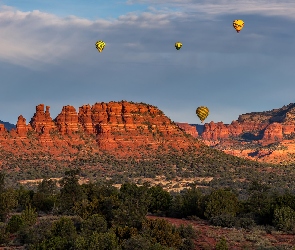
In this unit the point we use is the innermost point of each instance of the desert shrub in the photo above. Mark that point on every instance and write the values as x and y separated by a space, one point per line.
36 234
56 242
176 209
102 241
187 244
70 193
221 244
158 246
245 222
8 201
64 228
29 216
223 220
95 223
161 231
136 242
186 231
4 235
124 233
219 202
15 223
192 202
160 199
80 243
43 202
284 219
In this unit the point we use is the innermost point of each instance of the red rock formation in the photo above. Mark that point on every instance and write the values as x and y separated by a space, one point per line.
21 127
120 127
2 129
265 136
288 128
42 119
215 131
273 132
67 120
191 130
84 118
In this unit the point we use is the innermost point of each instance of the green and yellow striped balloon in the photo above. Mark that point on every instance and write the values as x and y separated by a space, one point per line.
100 45
202 112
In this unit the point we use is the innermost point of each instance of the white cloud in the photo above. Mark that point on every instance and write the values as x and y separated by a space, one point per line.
215 66
31 38
284 8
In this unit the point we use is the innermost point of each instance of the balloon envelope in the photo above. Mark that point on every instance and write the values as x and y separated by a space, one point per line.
100 45
178 45
202 112
238 25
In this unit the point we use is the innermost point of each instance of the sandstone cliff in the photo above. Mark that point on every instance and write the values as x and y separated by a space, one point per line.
120 128
264 136
191 130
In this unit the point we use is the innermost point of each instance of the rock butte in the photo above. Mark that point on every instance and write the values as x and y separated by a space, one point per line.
265 136
121 128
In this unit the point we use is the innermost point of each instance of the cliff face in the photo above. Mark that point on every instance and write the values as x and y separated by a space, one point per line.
191 130
120 128
268 126
264 136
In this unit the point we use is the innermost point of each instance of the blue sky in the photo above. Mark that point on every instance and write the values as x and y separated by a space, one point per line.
47 55
90 9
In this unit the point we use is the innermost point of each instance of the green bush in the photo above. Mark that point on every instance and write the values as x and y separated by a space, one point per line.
160 199
136 242
245 222
95 223
161 231
64 228
36 234
186 231
284 219
14 224
221 244
219 202
80 243
223 220
29 216
4 235
102 241
187 244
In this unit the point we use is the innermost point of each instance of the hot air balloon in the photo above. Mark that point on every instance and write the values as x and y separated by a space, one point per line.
238 25
202 112
100 45
178 45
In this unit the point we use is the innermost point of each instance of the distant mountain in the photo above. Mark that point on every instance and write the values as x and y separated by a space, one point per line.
267 136
8 125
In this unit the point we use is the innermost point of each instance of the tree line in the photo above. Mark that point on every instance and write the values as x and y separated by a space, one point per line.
100 216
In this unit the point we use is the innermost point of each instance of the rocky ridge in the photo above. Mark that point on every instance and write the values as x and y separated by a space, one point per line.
120 128
267 136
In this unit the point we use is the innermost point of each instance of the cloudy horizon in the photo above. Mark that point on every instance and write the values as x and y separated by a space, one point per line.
47 55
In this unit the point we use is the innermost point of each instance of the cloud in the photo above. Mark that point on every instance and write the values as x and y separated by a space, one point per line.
284 8
52 60
31 38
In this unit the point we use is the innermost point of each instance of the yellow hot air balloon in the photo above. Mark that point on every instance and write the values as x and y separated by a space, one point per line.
100 45
202 112
178 45
238 25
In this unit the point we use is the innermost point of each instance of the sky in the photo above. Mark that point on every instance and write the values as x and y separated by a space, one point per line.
48 55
